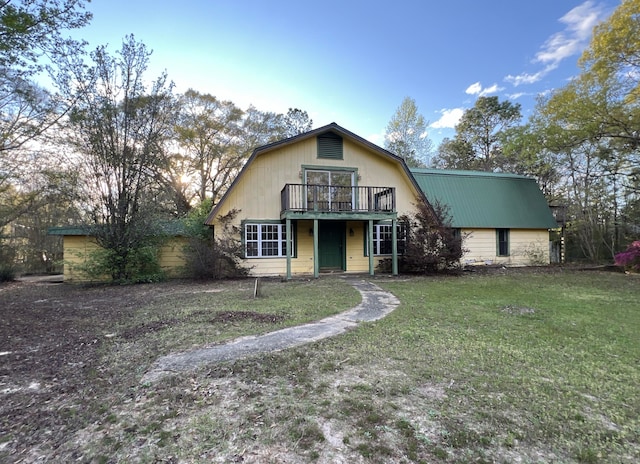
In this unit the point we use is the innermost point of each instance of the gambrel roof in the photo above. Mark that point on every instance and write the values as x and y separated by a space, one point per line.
487 199
332 128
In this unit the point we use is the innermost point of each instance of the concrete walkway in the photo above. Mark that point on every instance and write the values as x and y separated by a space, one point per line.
375 304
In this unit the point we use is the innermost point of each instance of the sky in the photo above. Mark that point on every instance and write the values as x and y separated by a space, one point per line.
352 62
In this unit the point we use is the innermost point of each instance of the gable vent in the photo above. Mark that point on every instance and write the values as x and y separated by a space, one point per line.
330 146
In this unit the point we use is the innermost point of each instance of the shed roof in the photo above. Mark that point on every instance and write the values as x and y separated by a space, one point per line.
487 199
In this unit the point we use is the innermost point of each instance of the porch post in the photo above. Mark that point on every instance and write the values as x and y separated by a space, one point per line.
394 247
370 242
288 245
316 259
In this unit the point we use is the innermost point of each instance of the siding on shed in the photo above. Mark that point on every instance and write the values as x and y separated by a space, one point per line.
524 246
77 250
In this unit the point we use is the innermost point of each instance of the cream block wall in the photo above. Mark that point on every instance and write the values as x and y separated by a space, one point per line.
526 247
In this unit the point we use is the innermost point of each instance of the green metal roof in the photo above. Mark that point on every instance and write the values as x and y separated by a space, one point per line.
487 199
172 228
70 230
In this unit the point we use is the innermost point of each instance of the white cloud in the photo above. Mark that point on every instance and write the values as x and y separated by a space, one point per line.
515 96
525 78
493 89
448 118
571 41
474 89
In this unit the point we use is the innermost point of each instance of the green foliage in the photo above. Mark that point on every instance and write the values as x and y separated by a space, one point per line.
7 272
432 245
406 135
136 265
296 122
480 137
7 262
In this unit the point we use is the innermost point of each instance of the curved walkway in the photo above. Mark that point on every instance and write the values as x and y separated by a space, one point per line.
375 304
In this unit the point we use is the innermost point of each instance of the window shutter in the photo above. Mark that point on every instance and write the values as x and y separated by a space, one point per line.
330 146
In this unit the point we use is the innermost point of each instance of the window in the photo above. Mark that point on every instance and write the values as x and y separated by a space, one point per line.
330 146
329 190
502 236
265 240
382 236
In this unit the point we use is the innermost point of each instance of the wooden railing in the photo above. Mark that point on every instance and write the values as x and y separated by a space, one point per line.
336 199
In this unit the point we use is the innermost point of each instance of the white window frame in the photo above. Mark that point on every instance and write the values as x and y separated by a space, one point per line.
378 241
261 233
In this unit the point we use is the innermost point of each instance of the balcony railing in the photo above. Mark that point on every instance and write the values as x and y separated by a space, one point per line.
337 199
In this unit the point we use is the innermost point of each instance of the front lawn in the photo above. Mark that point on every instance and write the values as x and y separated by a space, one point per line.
523 366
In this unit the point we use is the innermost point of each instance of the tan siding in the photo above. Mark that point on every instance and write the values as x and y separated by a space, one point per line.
523 245
78 248
171 257
257 193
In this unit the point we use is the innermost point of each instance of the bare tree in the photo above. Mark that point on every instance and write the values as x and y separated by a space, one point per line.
119 128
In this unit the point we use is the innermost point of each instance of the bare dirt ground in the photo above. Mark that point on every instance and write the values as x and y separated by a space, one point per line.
53 378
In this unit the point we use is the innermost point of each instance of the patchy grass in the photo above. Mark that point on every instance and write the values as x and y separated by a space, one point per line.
522 367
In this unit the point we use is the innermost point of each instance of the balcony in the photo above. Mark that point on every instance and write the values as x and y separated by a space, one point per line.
329 201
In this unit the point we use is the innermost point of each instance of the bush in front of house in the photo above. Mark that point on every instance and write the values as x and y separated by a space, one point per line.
209 257
432 246
630 258
140 265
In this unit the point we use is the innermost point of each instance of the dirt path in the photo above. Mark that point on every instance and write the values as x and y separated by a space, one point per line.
375 304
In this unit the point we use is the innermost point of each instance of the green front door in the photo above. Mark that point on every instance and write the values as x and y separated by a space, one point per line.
331 245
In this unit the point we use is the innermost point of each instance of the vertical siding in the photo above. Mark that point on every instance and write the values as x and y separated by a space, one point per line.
526 247
256 195
78 248
171 256
356 261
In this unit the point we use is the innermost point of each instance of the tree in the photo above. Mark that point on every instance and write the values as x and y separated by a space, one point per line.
118 128
208 133
480 134
29 31
297 122
406 135
592 124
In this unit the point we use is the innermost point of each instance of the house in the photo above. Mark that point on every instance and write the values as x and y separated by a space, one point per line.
503 218
78 245
328 200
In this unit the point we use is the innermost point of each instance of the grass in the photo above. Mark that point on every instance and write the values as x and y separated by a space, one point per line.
526 367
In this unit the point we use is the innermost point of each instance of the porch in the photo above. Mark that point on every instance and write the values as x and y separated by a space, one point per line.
327 207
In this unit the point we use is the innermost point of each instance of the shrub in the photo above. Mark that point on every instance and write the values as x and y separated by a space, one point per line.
630 258
7 266
432 245
7 272
209 257
138 265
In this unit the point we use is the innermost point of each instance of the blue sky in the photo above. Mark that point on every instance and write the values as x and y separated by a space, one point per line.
352 62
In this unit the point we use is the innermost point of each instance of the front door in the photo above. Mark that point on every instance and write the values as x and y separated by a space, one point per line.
331 245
